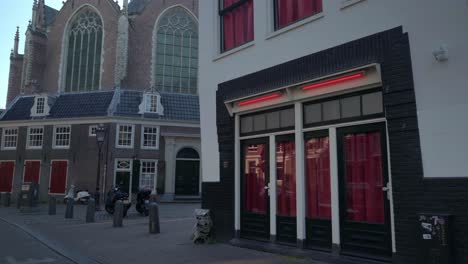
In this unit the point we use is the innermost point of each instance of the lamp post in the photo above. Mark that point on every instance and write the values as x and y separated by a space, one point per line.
100 137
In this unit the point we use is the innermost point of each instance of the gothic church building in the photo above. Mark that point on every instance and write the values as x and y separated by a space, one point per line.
130 71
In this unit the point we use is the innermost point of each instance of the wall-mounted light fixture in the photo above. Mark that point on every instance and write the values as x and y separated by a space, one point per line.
441 54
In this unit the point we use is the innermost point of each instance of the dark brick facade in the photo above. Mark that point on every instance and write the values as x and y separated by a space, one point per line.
412 194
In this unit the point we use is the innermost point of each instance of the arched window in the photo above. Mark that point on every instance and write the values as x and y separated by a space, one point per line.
83 61
176 54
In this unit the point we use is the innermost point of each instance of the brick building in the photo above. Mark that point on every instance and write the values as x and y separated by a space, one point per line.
131 69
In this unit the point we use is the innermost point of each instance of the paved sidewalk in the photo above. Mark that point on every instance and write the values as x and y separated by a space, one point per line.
133 243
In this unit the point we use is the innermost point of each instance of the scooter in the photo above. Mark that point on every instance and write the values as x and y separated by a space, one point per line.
81 197
143 200
114 195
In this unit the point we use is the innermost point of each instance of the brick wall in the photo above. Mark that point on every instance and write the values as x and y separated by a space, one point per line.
14 80
412 193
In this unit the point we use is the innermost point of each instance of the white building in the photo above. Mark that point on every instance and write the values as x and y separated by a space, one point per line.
353 70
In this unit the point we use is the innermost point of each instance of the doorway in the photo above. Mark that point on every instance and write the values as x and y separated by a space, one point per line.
363 175
187 180
255 206
123 175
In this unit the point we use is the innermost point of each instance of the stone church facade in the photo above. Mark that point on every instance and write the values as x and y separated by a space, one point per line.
131 70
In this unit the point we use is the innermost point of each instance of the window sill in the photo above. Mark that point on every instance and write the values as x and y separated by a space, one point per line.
59 147
124 147
347 3
234 50
295 25
34 148
149 148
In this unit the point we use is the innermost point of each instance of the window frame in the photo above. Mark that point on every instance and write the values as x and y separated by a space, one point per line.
223 11
149 102
4 138
142 146
132 137
40 104
155 161
276 26
90 130
28 139
54 142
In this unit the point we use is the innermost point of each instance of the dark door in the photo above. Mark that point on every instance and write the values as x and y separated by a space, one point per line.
187 177
318 191
58 177
122 179
286 229
255 216
365 214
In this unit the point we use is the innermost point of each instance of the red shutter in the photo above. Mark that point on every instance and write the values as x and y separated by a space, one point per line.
6 175
31 171
58 177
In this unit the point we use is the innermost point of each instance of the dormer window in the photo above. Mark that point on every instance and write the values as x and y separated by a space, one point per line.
40 102
40 107
151 103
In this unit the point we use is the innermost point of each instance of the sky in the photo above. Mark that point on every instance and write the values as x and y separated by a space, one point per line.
18 13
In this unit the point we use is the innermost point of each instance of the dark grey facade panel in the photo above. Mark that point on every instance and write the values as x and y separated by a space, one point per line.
412 193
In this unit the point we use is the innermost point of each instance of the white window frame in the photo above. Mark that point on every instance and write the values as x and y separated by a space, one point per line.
4 138
54 143
151 99
44 106
28 141
91 127
155 173
132 138
143 137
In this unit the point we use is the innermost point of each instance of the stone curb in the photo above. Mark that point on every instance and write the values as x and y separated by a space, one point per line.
53 246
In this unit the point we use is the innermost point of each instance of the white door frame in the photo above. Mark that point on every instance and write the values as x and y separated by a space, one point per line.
124 170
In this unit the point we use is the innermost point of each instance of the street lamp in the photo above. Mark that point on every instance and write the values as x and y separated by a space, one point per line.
100 137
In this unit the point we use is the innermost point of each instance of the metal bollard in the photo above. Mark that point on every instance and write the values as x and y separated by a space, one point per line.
7 199
52 205
18 201
90 211
154 227
69 209
118 214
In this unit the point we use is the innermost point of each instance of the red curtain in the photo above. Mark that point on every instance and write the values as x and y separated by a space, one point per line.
318 197
289 11
286 178
58 177
255 179
6 175
31 173
237 24
364 177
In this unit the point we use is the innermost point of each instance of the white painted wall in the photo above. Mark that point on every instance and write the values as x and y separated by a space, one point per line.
441 87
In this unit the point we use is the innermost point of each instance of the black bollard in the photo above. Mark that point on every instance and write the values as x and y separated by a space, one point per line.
52 205
18 201
90 211
154 227
7 199
69 209
118 214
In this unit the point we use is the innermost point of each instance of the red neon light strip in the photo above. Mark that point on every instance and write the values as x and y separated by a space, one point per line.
334 81
260 99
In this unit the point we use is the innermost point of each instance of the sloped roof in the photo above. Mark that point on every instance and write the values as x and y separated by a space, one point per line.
137 6
21 110
50 14
125 103
81 105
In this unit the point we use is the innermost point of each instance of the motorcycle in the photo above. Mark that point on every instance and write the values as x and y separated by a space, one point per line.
143 200
114 195
80 196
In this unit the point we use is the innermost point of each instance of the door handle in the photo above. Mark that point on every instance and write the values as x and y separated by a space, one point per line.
386 189
266 187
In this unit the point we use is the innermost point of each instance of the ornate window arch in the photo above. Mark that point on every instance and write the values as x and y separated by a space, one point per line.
83 51
176 52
